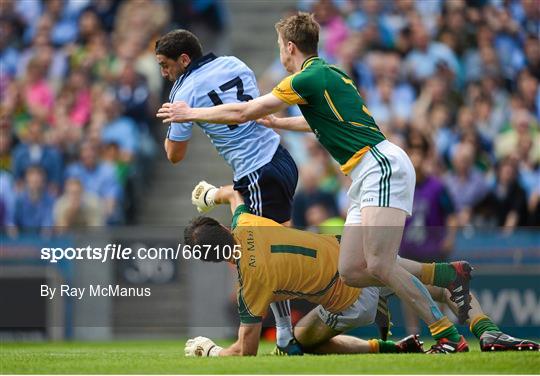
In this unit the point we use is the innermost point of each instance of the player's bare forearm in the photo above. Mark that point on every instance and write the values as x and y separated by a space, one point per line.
230 113
247 343
232 350
294 123
227 195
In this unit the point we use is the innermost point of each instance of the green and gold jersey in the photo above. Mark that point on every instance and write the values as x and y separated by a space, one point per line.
334 110
280 263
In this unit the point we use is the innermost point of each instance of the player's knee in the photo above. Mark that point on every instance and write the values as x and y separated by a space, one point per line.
379 269
347 274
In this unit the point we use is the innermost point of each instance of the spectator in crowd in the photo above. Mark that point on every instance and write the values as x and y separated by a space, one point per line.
9 54
6 141
77 208
390 104
319 220
311 194
133 94
506 203
7 200
61 23
523 126
529 92
99 179
33 151
427 56
367 18
105 11
430 231
33 205
466 184
38 94
119 128
333 28
532 55
89 26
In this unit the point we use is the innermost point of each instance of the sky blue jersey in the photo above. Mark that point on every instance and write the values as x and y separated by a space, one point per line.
210 81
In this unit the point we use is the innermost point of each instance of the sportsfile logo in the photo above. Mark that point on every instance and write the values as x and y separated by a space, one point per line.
119 252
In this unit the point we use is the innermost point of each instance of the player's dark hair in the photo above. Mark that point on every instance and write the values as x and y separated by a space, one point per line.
206 231
178 42
302 30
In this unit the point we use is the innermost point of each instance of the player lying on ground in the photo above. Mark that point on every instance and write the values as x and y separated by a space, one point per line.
383 178
263 171
280 263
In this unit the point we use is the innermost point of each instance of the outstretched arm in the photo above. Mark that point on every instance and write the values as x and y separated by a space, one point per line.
230 113
295 123
227 195
205 196
247 343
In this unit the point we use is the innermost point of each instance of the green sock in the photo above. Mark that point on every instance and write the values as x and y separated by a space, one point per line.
451 333
484 325
387 346
444 274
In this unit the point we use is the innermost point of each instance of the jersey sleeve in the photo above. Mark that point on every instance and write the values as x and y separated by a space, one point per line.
182 131
254 297
296 88
241 209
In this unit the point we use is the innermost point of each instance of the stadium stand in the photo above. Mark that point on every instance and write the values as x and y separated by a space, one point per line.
464 75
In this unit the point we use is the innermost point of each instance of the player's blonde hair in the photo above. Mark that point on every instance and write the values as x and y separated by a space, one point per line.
302 30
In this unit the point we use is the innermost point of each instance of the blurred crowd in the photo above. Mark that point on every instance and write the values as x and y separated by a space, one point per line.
456 84
80 86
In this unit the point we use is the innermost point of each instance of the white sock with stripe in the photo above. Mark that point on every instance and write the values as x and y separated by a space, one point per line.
282 315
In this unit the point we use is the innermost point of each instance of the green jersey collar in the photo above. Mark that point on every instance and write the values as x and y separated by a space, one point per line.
308 61
239 210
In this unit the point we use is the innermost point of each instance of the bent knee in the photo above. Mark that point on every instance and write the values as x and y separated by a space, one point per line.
350 275
379 269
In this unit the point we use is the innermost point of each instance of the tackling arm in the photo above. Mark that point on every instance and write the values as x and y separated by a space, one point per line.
227 195
296 123
205 196
231 113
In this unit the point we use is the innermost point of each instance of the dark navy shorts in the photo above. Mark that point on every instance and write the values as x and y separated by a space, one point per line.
269 191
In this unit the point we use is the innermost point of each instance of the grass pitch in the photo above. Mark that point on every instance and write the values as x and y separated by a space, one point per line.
167 357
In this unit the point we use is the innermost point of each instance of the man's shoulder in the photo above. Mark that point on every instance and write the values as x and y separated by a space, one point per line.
222 65
313 75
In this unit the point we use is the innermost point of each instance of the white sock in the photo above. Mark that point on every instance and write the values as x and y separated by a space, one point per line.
282 315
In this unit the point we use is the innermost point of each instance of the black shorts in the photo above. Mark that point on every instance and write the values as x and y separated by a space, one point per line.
269 191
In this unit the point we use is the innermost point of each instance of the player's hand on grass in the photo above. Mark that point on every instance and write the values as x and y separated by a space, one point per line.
203 196
201 346
177 112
